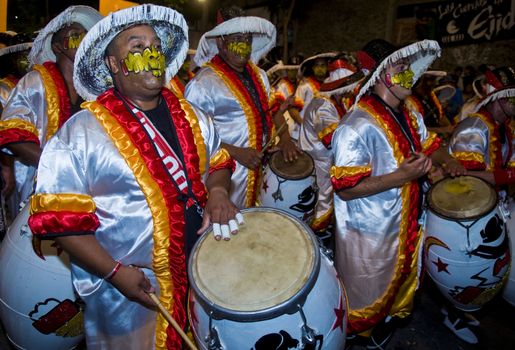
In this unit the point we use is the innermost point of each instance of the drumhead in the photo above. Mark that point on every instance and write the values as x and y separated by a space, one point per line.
271 260
300 168
463 197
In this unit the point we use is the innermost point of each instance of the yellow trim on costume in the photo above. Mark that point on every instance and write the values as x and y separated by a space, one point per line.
407 290
19 124
173 86
220 157
74 202
339 172
492 141
469 156
322 218
432 137
326 131
52 101
8 82
511 164
192 119
253 175
156 204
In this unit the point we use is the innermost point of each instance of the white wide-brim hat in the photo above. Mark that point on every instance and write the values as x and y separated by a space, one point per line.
342 79
281 66
500 83
42 47
15 48
444 92
310 60
379 54
263 37
91 75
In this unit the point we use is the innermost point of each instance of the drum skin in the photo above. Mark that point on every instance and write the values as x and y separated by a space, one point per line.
468 268
38 307
324 306
283 187
509 289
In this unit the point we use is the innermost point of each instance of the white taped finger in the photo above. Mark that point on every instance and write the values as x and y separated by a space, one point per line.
239 218
225 232
217 231
233 226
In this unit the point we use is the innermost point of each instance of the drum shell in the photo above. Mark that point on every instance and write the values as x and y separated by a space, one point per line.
25 281
465 279
320 307
291 192
509 289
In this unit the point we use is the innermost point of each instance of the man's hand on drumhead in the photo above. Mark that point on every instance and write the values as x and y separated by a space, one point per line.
222 214
454 168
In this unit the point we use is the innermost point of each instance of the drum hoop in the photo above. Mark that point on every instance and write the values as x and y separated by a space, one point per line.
294 178
289 306
470 218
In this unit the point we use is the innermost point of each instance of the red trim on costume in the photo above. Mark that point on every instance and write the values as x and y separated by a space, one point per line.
341 64
155 166
65 108
348 181
54 223
472 164
497 163
434 146
326 140
359 325
314 83
228 164
11 79
17 135
504 177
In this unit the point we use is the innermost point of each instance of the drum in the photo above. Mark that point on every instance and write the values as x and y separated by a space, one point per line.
269 285
38 307
509 289
290 186
466 250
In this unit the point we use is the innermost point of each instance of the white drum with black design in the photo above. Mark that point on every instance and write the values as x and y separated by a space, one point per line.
466 250
268 286
509 289
38 307
290 186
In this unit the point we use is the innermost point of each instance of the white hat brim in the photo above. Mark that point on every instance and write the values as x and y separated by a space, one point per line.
42 47
263 37
91 75
420 54
15 48
497 95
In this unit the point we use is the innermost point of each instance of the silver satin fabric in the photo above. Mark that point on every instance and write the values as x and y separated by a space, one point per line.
82 159
207 91
473 135
4 93
27 102
319 114
367 228
283 89
305 92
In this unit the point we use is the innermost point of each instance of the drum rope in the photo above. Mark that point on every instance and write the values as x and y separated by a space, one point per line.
278 195
467 227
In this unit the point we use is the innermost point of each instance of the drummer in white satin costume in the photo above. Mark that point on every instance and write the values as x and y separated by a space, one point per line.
235 93
380 151
13 59
122 185
485 140
321 117
44 98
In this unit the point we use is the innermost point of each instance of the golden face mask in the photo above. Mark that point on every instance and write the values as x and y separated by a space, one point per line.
404 78
320 71
240 48
151 59
73 41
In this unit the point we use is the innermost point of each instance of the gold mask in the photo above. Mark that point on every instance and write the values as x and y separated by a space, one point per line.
73 41
404 78
240 48
151 59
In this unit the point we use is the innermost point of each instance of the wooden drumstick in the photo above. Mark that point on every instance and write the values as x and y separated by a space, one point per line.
171 321
269 143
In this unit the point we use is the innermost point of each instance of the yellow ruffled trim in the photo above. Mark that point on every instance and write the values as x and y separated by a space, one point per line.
326 131
8 82
429 141
77 203
52 101
339 172
493 139
469 156
253 175
19 124
220 157
409 286
156 204
322 218
192 119
511 164
174 87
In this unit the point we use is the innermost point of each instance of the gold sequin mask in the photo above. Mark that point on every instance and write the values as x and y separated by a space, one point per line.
151 59
73 41
404 79
240 48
